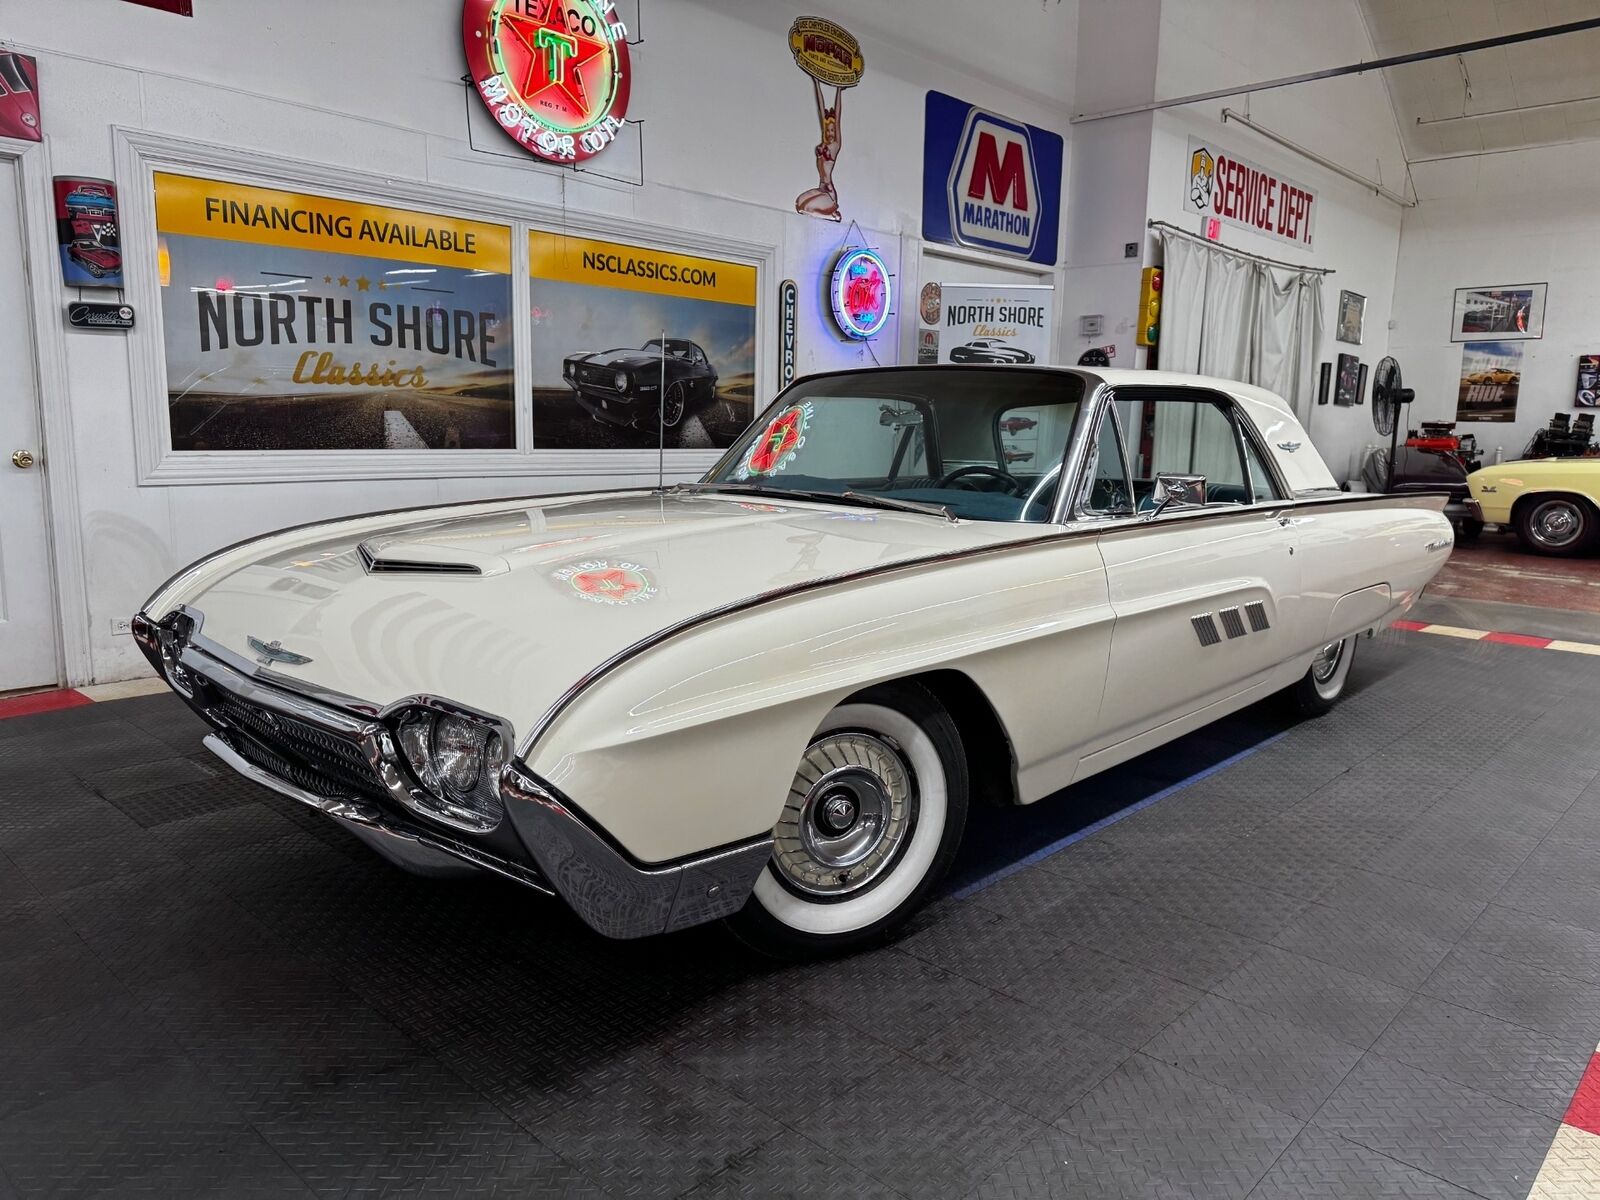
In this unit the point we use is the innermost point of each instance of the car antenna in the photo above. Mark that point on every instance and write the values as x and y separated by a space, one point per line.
661 419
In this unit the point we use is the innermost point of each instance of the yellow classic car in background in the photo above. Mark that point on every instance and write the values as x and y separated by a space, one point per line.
1494 375
1552 503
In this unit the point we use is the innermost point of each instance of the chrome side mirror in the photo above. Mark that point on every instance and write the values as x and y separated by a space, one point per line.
1178 491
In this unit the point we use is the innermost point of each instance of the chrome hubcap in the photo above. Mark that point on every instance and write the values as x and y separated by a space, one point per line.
1326 662
849 810
1557 524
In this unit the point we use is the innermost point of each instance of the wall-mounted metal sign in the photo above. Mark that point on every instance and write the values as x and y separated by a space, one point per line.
19 97
87 314
788 313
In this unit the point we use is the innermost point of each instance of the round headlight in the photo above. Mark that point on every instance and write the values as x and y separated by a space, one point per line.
568 370
621 381
458 753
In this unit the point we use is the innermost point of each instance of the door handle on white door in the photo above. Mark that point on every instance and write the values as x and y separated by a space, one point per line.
22 459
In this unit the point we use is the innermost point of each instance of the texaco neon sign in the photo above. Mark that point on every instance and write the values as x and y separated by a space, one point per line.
554 73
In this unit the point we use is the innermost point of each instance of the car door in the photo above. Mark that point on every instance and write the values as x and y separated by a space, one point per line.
1204 596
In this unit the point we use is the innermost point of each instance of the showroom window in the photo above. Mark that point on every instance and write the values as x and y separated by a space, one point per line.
301 322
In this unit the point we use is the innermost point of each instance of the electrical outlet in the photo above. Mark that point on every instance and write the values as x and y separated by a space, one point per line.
121 625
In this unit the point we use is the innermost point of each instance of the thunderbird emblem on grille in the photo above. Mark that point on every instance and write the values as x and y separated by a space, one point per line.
273 652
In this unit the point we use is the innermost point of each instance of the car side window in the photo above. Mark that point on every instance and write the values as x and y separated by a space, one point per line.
1262 488
1186 433
1110 491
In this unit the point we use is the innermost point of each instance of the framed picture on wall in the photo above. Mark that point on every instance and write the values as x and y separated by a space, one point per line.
1352 315
1324 382
1347 383
1588 394
1503 313
1361 385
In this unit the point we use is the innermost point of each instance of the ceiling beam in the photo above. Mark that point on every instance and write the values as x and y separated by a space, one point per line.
1357 68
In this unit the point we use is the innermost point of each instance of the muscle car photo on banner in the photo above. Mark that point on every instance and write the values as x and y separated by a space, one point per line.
633 345
296 322
1491 374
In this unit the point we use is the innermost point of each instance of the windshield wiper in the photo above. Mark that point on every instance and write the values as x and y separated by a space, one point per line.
916 506
866 499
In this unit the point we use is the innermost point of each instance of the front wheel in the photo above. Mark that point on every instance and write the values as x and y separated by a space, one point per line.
873 818
1557 525
1323 683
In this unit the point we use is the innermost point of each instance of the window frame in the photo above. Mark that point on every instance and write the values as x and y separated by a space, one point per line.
140 154
1244 431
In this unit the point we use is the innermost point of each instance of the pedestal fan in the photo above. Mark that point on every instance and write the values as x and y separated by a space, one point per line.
1388 397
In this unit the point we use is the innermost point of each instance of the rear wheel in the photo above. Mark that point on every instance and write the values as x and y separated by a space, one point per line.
677 399
1323 683
1556 525
872 821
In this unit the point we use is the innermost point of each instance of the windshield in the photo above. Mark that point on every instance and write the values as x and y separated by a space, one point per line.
985 443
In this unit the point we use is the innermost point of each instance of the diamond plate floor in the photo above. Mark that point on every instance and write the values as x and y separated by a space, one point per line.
1363 960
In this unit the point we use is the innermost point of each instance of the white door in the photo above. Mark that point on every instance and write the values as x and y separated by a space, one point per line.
27 605
1205 601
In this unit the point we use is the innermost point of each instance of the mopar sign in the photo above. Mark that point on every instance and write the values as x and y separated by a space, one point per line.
989 182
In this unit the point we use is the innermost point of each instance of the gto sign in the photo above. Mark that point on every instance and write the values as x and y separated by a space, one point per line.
989 182
1223 186
554 73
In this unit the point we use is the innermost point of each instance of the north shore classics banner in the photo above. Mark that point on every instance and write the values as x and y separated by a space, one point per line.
300 322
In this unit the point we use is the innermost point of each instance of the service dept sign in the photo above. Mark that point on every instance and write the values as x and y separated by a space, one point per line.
989 182
554 73
1224 186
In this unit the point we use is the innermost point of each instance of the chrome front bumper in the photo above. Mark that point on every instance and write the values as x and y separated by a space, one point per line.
548 847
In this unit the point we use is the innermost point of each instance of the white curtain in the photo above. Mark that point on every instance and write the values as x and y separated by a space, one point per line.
1227 315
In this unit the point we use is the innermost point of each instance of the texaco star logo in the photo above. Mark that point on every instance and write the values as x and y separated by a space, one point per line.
554 73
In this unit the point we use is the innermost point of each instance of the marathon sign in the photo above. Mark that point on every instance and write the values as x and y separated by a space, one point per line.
989 182
1246 194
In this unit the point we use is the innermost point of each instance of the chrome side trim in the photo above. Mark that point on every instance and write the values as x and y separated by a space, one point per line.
1048 535
614 897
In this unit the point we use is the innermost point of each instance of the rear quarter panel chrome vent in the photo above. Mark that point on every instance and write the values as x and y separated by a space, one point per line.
1205 629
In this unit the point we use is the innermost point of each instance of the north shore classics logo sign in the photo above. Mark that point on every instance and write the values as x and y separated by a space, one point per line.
555 74
989 182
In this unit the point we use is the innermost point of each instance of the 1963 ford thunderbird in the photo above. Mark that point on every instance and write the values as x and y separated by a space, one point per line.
771 696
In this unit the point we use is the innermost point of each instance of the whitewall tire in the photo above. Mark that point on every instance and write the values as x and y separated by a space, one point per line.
1321 687
873 818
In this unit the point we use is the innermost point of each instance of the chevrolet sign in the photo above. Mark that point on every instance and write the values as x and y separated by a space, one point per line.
990 182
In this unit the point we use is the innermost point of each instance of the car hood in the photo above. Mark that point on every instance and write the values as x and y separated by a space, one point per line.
620 358
504 609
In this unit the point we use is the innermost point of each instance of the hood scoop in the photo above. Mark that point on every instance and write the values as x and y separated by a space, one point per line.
383 557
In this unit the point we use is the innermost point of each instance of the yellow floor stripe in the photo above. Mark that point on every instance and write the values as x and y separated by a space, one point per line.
1472 635
1571 1169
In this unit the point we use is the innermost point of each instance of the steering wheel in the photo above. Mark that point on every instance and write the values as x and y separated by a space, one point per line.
1009 481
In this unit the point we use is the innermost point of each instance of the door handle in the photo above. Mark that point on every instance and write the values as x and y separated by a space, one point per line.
22 459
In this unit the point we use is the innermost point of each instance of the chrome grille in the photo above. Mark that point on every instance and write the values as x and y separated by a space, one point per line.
312 758
1257 613
1232 622
1205 629
605 376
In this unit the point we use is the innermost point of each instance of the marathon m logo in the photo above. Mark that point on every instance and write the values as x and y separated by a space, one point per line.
994 184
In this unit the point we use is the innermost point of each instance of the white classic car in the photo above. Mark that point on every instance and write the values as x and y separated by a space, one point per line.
770 696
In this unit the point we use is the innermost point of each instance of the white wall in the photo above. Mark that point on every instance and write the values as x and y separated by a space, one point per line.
727 150
1527 216
1207 44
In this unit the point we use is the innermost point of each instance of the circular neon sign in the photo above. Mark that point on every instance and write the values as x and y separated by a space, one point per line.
554 74
861 293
